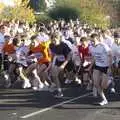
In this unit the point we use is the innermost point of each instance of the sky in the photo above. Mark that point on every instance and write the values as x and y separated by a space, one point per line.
7 2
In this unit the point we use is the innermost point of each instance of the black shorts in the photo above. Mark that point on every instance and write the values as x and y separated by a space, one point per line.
119 64
101 69
20 65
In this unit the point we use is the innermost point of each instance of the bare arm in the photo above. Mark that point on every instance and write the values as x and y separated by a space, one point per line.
110 59
69 56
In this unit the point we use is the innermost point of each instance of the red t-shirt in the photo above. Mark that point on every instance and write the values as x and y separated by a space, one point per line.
84 52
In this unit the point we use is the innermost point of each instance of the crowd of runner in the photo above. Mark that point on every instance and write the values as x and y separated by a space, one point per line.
43 55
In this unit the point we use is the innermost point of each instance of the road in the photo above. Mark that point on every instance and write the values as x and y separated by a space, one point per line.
77 104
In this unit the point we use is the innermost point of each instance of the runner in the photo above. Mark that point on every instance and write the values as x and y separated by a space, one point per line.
61 56
8 49
40 52
116 55
2 40
21 60
102 60
86 62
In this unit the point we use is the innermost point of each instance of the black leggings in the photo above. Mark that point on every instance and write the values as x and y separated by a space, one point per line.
6 62
0 61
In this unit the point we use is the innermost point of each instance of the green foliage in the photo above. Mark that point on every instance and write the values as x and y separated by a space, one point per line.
6 13
1 7
87 10
64 12
43 18
116 6
42 6
94 16
20 12
23 14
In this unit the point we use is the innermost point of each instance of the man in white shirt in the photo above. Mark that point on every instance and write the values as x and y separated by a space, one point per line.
107 38
21 60
102 60
2 31
2 40
116 55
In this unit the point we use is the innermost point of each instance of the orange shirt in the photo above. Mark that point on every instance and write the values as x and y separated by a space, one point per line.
46 56
8 48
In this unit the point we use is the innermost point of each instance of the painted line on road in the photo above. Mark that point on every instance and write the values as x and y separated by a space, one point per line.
54 106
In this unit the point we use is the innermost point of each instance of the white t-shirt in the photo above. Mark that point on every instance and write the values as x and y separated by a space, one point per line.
75 55
68 43
116 51
109 41
77 40
74 50
21 54
20 30
68 34
7 30
2 40
43 38
100 54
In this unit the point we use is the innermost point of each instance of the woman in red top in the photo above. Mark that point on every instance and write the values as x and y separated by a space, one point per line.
86 60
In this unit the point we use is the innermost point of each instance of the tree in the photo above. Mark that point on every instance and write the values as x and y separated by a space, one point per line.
116 12
89 11
20 12
64 12
1 7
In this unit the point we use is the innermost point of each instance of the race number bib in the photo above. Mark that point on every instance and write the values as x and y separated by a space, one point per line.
38 55
61 58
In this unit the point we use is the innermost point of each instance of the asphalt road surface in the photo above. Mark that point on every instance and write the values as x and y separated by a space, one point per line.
77 104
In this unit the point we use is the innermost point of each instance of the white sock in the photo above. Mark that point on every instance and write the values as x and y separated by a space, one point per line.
109 82
102 94
94 91
59 90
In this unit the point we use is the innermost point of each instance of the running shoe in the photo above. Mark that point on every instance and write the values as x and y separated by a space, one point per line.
26 84
67 81
35 88
104 102
112 90
59 95
78 81
52 87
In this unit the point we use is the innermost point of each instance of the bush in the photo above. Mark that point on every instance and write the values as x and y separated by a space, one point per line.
64 12
6 14
23 13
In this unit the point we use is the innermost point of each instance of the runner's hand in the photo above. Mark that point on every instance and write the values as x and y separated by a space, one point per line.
109 70
62 67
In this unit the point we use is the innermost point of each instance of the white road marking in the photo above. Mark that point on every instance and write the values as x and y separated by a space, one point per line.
53 106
